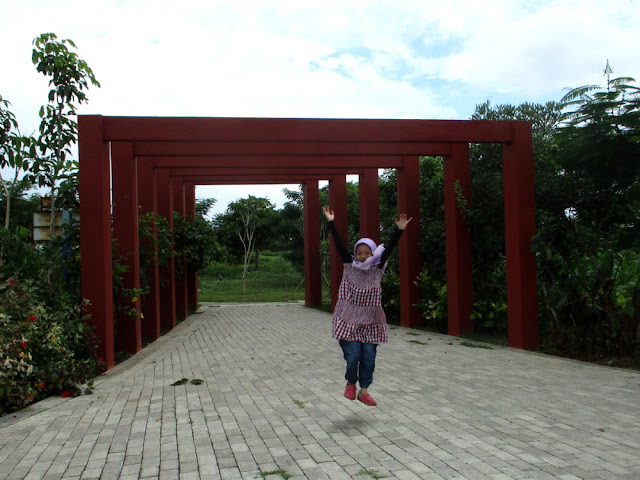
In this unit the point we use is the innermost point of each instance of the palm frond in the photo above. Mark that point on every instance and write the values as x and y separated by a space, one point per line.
578 92
621 80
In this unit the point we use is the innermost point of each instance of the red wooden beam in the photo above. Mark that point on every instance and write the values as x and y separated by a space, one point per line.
338 204
125 232
520 224
182 149
211 180
312 261
369 197
349 163
410 263
257 172
95 232
167 272
458 241
150 307
180 261
195 129
192 277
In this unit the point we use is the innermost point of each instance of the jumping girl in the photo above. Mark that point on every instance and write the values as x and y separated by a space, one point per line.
359 322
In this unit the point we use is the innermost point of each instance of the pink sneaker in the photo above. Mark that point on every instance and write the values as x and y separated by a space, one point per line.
367 400
350 391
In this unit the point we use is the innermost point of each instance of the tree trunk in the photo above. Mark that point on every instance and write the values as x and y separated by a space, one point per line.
244 279
52 216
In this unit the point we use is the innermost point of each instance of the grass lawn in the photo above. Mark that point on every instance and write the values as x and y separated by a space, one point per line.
275 280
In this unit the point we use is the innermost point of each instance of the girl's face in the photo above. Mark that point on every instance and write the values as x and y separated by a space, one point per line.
363 252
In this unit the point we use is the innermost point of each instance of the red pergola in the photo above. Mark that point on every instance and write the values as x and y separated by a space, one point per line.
152 164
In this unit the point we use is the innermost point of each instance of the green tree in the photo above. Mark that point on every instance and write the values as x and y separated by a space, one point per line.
16 151
600 153
250 221
589 244
40 298
290 230
194 238
70 77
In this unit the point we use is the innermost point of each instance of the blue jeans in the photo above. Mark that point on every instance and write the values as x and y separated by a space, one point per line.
361 362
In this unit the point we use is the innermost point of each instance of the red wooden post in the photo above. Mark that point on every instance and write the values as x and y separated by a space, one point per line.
520 225
338 204
150 307
125 231
312 261
369 196
458 240
410 264
164 201
182 308
95 233
192 276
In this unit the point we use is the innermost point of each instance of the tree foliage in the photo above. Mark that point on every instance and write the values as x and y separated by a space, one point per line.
589 243
194 238
16 151
246 227
70 77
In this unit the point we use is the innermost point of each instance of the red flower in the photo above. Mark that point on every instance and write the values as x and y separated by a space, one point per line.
23 344
11 281
32 318
41 386
65 394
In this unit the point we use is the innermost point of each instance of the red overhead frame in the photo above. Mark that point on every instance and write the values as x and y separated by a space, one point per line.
175 154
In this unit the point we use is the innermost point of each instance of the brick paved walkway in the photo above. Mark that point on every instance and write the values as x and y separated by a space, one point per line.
271 400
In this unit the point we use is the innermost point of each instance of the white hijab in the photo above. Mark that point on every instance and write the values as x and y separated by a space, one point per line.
373 260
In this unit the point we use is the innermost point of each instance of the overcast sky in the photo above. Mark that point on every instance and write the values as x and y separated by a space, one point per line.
428 59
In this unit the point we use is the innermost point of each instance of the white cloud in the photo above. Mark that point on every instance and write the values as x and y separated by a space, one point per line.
542 51
362 58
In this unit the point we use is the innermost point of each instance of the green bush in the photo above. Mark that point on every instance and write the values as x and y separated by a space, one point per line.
591 306
391 296
433 301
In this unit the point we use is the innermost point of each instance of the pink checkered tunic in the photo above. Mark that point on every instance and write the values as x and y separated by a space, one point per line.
358 316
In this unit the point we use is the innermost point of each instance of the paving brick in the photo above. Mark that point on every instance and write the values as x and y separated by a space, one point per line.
444 410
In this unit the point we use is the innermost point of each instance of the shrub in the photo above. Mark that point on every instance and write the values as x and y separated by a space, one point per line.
433 301
590 307
44 351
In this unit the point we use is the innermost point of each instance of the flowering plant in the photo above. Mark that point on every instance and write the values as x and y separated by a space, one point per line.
44 351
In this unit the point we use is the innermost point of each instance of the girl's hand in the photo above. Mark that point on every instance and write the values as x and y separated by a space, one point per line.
402 221
328 214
